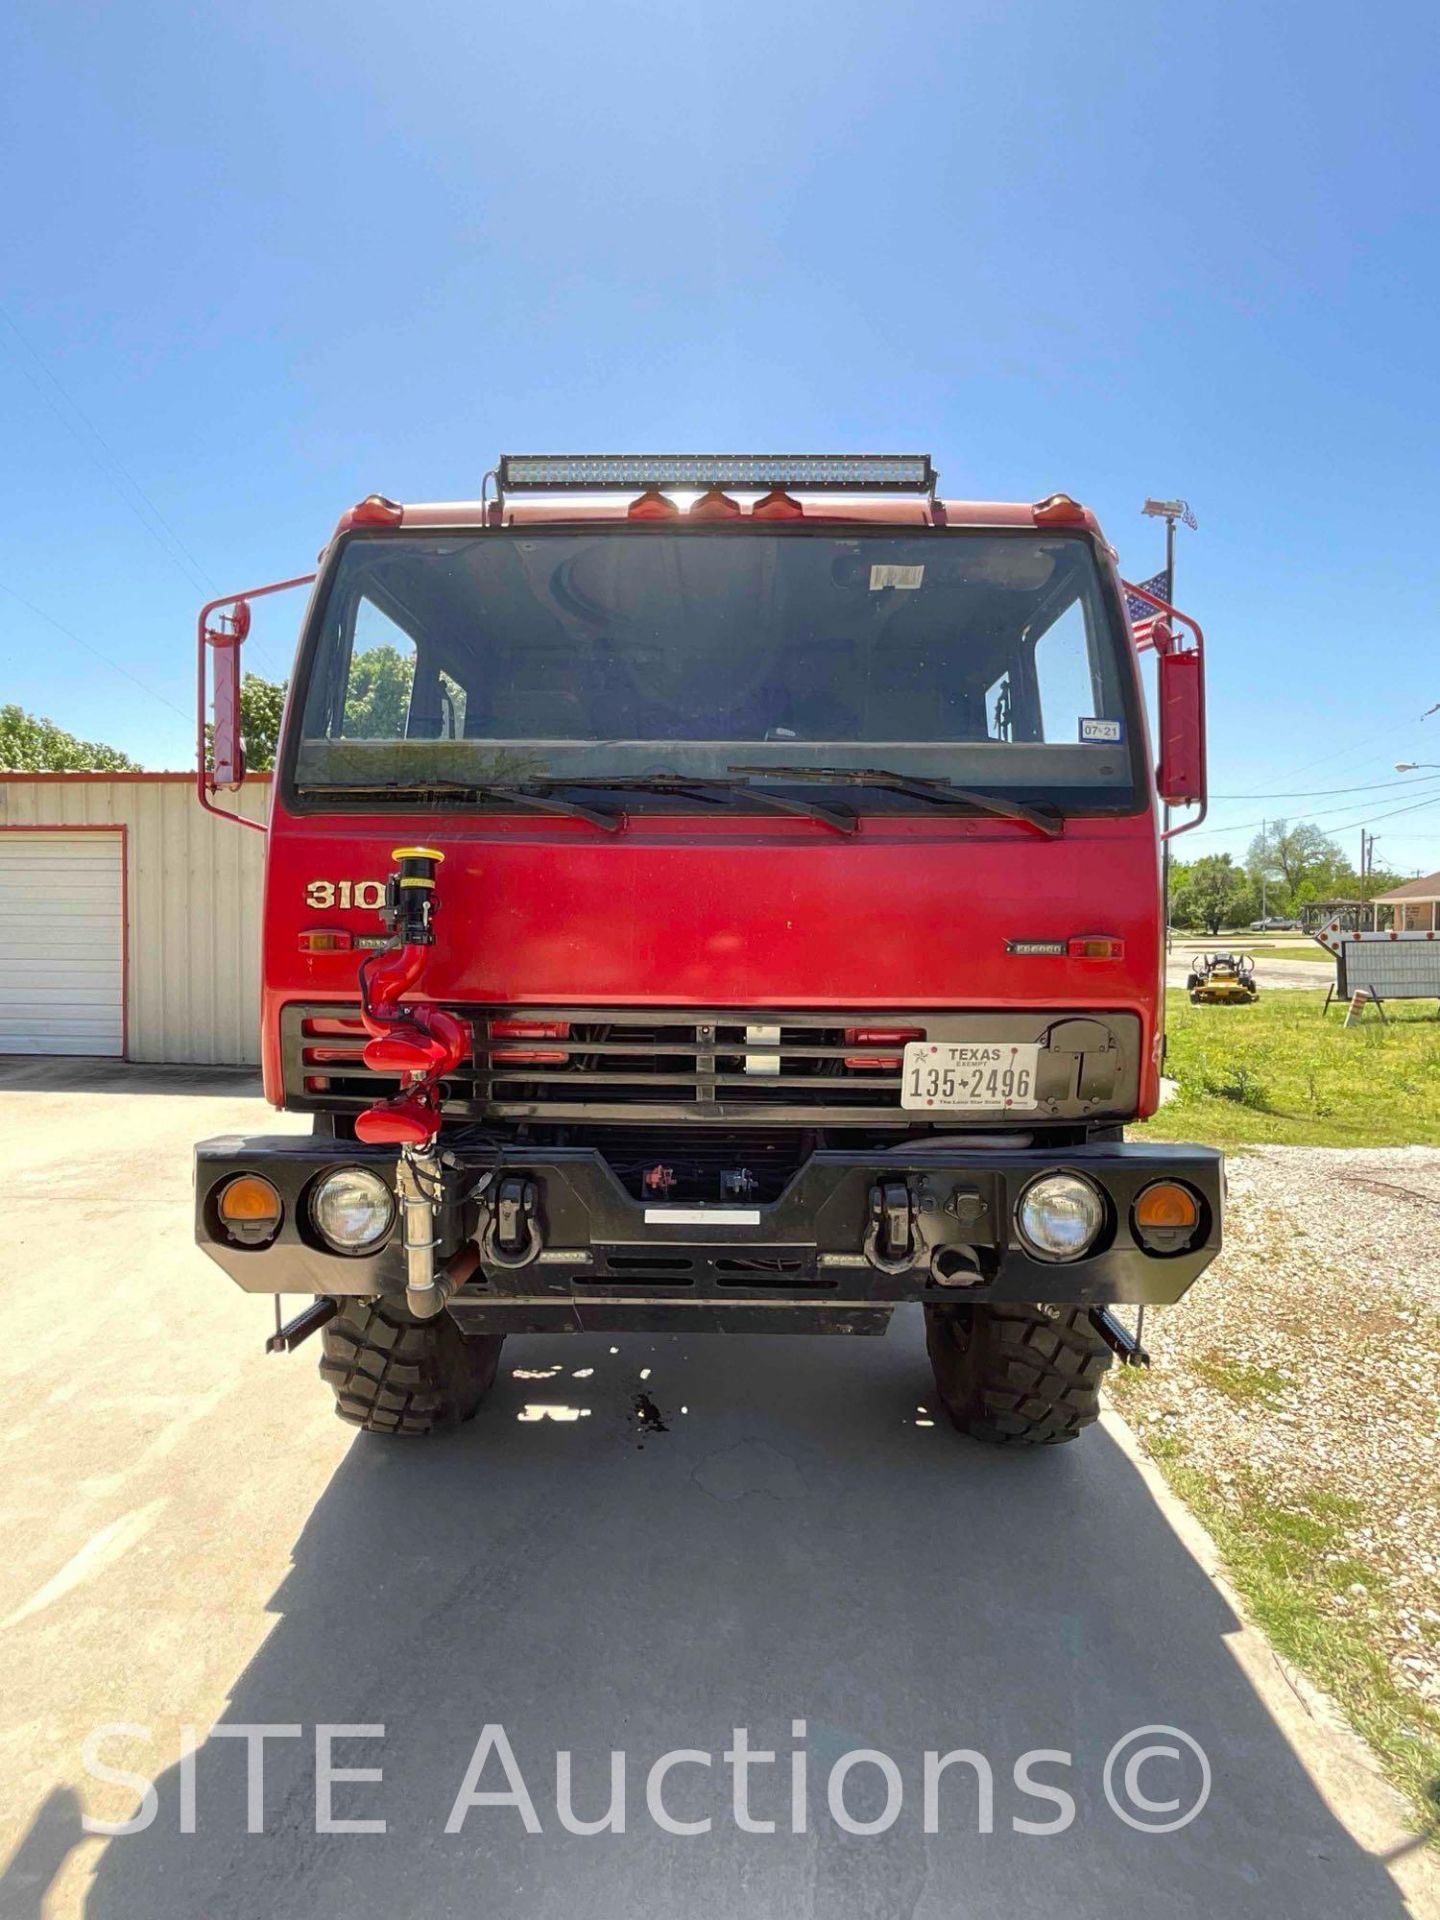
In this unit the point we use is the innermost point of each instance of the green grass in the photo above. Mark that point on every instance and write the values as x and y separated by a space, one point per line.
1279 1072
1256 948
1304 950
1288 1561
1239 1382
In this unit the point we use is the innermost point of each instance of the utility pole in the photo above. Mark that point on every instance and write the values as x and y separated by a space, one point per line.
1264 868
1169 511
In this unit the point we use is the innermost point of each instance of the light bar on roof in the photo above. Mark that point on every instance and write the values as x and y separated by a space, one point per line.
746 472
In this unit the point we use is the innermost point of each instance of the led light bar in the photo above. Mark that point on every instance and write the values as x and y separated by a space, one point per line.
747 472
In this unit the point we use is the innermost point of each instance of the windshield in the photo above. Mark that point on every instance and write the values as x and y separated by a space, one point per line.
987 659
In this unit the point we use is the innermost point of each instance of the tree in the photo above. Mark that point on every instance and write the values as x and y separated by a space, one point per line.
377 704
1211 892
377 700
30 744
1286 856
261 704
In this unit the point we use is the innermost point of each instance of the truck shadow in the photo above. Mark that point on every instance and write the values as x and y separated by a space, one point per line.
54 1073
757 1532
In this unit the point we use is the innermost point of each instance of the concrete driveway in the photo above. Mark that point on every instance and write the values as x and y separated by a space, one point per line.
191 1536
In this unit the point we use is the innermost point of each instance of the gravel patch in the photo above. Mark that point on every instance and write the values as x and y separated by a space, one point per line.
1307 1362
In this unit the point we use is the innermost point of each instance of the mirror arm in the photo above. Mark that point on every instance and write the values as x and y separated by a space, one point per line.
1169 833
227 632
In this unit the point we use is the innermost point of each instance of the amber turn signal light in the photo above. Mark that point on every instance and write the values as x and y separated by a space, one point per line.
249 1209
1166 1216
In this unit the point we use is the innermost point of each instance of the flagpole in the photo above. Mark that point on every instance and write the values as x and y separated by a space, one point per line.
1169 511
1165 813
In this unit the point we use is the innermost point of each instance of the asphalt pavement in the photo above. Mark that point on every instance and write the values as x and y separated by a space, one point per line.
639 1546
1314 974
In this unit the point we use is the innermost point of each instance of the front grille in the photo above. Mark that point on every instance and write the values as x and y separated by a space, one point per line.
660 1163
628 1067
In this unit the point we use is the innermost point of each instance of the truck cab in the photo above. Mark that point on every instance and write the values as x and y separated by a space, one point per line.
714 893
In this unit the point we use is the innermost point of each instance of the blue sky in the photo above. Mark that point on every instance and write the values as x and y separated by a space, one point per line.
270 258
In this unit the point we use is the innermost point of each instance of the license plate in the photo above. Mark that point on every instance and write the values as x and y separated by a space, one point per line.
967 1076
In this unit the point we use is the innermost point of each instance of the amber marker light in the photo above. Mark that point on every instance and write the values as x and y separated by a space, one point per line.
249 1209
1166 1216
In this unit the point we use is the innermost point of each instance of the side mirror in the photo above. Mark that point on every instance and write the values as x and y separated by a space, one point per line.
227 748
1180 777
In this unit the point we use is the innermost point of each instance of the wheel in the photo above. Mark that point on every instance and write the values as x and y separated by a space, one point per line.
1019 1376
1195 999
1192 981
392 1373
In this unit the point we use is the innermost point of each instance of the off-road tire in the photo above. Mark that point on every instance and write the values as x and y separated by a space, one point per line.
1017 1376
392 1373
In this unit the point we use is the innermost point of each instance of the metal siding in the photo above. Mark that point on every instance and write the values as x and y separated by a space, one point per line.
194 898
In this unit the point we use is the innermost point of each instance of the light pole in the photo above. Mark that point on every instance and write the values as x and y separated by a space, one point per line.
1416 766
1169 511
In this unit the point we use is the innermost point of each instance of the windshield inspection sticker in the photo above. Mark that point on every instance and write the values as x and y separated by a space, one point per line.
1106 730
907 577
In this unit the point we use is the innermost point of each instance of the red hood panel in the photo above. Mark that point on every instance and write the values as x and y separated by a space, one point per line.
912 911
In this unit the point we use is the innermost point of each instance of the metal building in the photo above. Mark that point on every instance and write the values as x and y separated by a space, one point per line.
129 918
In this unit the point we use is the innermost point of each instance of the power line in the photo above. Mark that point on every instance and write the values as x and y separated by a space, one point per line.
120 478
1306 793
115 470
114 665
1414 807
1323 813
1348 753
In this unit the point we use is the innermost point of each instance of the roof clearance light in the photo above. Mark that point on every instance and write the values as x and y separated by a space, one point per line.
376 511
653 505
748 472
715 505
1059 510
777 505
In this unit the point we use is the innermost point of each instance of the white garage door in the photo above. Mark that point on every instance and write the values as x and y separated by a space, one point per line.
62 933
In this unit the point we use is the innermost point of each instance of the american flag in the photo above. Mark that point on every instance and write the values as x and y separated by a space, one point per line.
1141 614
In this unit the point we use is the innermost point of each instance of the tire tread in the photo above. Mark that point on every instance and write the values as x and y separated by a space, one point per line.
1016 1375
391 1373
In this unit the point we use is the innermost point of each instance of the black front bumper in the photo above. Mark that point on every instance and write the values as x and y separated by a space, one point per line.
942 1224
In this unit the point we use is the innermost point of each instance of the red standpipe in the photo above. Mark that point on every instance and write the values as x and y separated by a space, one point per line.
419 1041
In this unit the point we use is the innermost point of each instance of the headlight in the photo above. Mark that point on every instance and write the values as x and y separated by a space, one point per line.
352 1209
1060 1216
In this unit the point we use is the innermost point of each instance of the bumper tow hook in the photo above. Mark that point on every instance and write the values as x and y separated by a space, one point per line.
511 1237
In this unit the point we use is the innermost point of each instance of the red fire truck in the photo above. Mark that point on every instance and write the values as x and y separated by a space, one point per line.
714 893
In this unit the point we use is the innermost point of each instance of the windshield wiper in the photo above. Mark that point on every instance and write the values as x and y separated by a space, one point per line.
718 793
610 821
1044 818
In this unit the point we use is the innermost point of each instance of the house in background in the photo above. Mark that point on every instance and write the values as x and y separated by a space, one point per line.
1415 907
